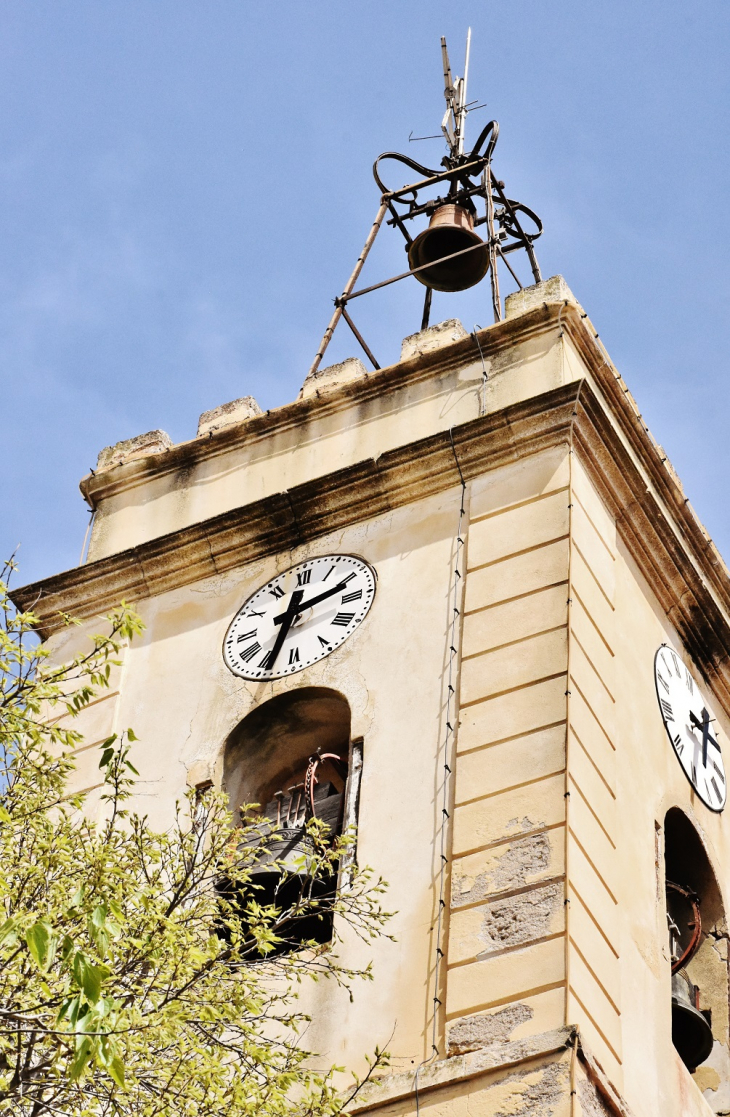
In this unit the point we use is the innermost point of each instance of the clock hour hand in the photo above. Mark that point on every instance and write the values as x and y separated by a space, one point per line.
312 600
286 620
704 726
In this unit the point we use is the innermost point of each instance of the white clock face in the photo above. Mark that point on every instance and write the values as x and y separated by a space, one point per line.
299 617
691 728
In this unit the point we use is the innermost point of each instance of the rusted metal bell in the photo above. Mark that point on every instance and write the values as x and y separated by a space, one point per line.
289 850
691 1031
451 229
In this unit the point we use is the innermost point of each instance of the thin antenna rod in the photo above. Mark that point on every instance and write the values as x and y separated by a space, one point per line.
448 80
462 106
449 94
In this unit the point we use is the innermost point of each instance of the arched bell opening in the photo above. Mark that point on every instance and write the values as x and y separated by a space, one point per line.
292 756
697 944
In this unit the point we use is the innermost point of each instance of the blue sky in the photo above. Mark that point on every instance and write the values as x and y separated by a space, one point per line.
184 187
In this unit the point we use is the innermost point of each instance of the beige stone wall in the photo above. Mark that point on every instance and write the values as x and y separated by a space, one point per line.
183 702
506 953
582 556
594 997
310 438
622 778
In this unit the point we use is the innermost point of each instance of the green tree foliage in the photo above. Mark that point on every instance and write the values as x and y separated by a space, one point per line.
129 983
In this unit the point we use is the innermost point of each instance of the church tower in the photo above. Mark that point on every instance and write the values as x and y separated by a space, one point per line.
472 583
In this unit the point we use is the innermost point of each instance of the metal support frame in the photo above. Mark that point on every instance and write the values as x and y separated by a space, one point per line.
468 178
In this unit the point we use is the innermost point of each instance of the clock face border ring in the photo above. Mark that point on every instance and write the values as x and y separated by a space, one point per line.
274 625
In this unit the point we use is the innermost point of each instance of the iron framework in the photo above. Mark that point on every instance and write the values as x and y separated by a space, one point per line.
509 226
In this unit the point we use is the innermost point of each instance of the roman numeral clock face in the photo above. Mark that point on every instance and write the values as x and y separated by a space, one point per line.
691 728
299 617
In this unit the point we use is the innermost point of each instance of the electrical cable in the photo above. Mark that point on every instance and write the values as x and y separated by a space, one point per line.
448 740
485 378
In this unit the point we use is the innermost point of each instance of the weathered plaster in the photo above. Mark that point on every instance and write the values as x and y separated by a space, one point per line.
519 919
472 1032
237 411
582 555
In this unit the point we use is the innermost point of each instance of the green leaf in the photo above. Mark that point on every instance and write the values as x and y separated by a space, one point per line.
4 814
68 1010
116 909
106 757
77 897
41 944
89 978
98 915
131 735
80 1059
92 983
116 1070
8 932
101 942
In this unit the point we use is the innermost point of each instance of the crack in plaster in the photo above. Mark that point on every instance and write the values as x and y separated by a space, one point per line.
524 824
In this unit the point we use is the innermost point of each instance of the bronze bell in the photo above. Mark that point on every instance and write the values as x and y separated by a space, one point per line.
691 1031
451 229
288 851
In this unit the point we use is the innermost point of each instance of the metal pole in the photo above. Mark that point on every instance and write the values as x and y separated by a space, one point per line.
510 269
462 107
492 241
413 271
533 262
359 337
427 308
349 285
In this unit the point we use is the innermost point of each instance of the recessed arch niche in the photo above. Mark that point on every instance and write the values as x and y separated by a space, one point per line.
273 742
687 864
292 756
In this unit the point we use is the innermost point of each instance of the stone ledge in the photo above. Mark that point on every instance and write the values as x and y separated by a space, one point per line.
498 1057
237 411
286 520
325 379
460 1068
141 446
553 290
432 338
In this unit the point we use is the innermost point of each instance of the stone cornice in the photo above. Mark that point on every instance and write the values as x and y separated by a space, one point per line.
286 520
653 459
97 487
654 518
440 1075
672 552
483 1062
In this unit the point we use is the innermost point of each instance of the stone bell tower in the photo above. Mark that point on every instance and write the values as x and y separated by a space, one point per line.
471 585
546 987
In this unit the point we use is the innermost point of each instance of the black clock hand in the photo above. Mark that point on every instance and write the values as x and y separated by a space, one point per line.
704 726
286 620
312 601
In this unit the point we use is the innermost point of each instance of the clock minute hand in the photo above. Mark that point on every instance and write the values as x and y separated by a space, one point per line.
312 601
286 620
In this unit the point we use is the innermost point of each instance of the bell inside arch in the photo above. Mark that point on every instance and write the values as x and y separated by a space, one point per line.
691 1031
451 229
